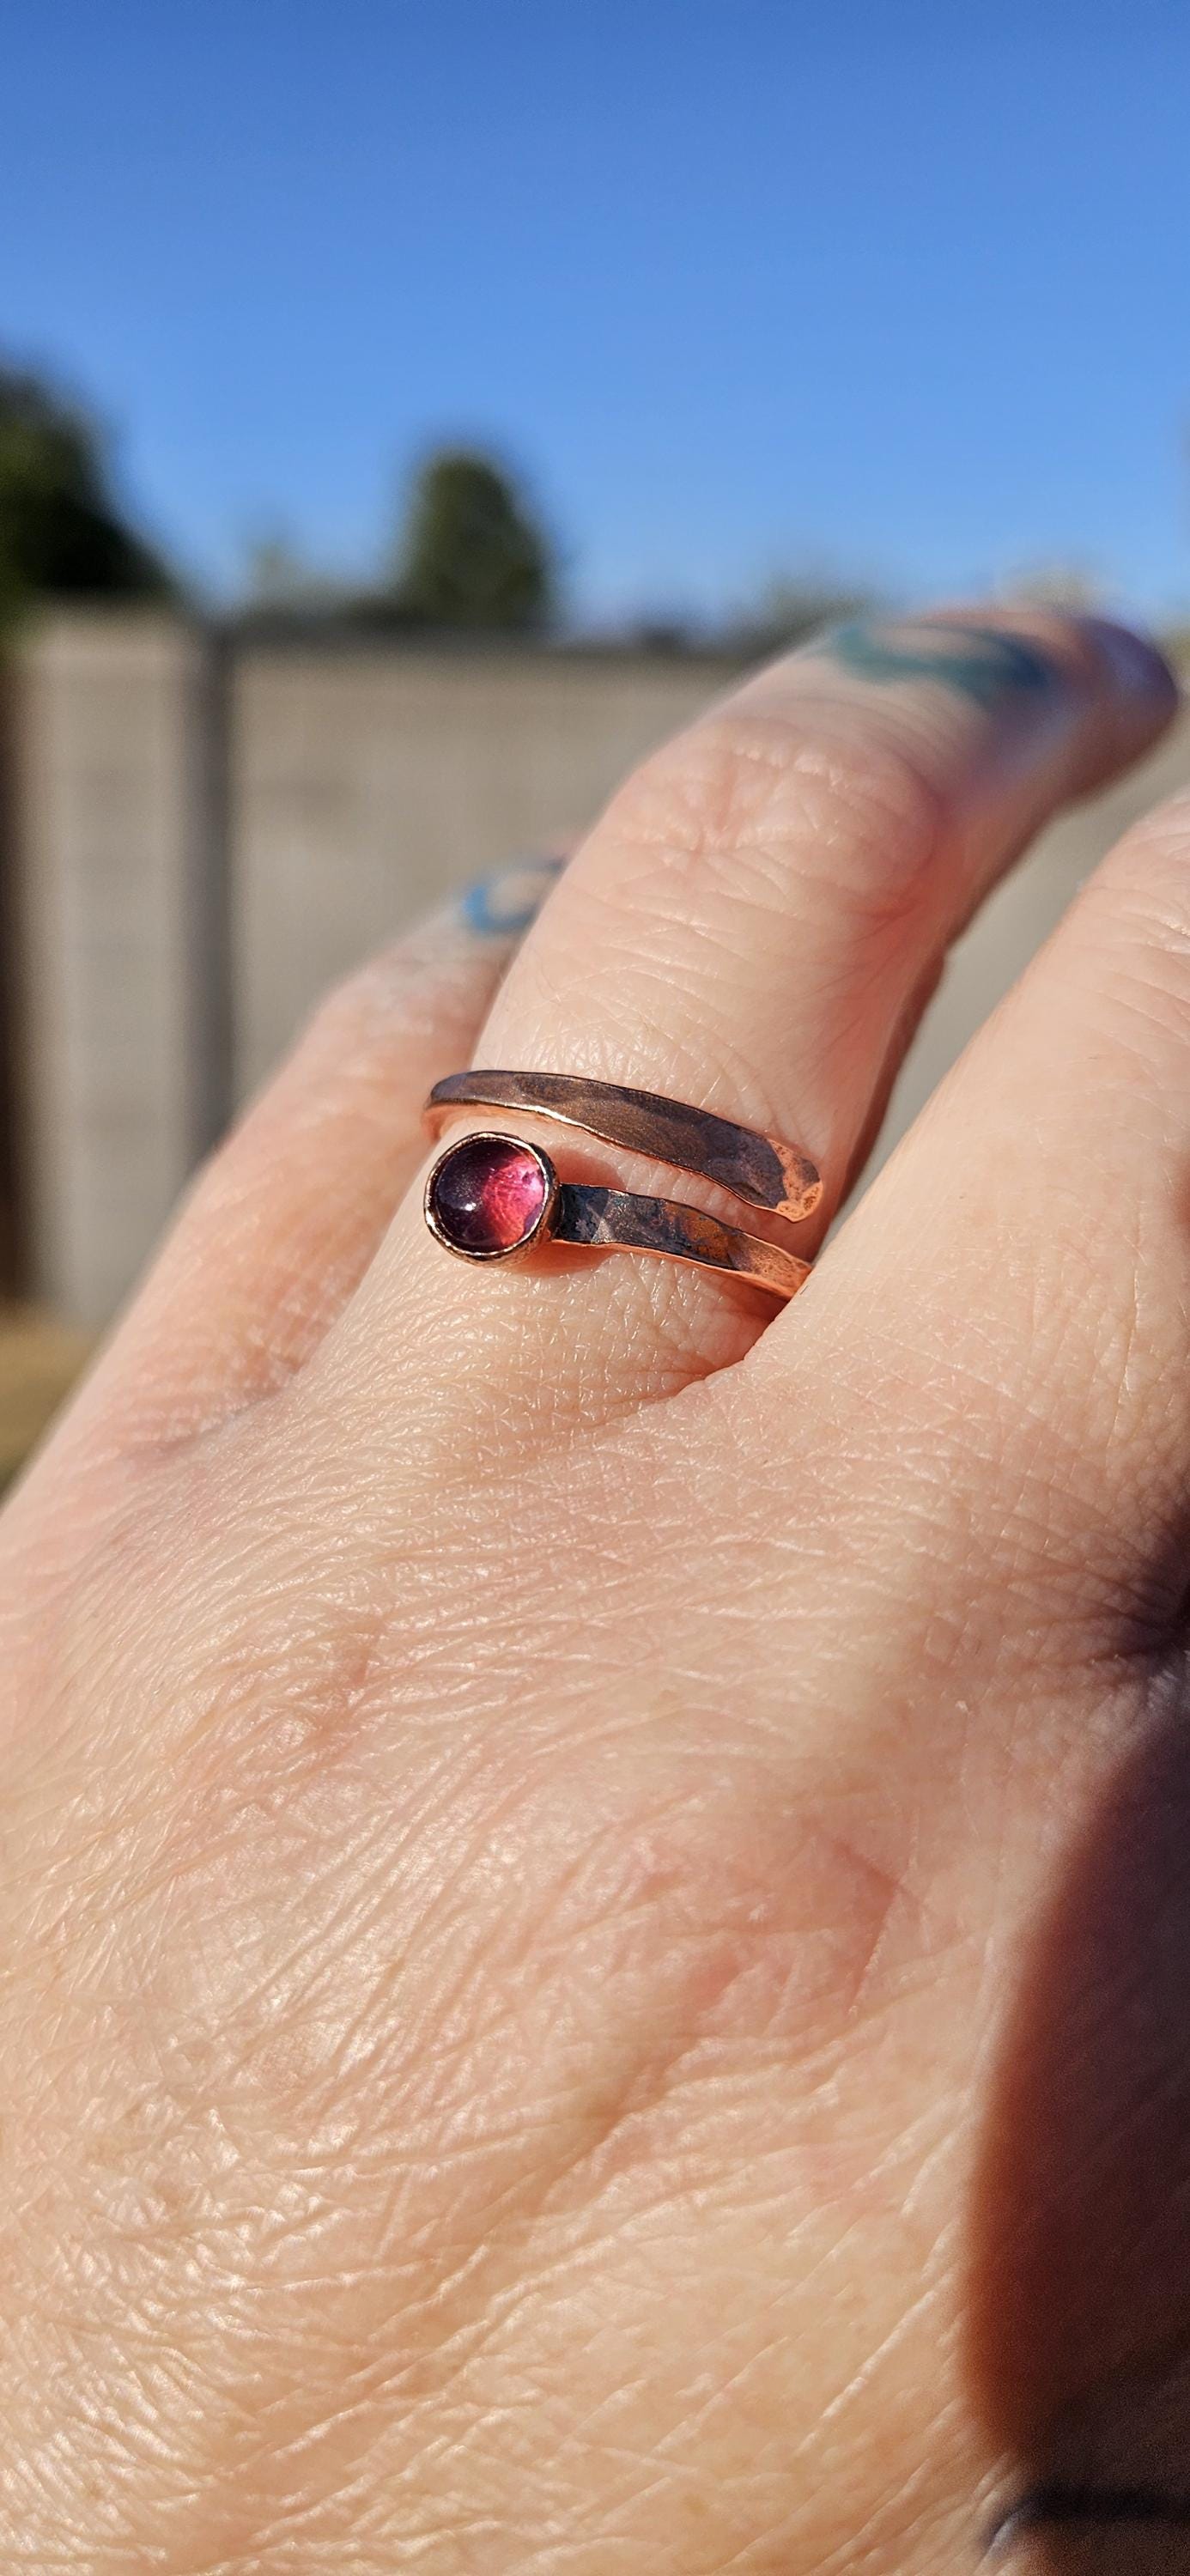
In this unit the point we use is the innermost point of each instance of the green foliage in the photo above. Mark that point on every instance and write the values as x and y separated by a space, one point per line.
61 532
471 555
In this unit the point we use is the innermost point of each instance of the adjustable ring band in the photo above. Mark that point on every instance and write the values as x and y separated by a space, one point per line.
761 1169
493 1197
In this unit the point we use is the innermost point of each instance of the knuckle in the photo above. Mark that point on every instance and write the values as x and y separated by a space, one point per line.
747 793
370 1028
366 1001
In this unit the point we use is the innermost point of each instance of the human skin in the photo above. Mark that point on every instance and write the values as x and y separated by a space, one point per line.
594 1891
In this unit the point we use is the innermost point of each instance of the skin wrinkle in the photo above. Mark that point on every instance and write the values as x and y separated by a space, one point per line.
885 824
823 809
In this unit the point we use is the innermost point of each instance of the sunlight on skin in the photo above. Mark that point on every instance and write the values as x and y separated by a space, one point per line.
594 1884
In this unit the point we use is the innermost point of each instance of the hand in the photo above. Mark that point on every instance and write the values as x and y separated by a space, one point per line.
595 1889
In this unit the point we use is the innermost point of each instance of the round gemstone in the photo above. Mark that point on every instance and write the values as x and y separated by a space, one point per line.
487 1194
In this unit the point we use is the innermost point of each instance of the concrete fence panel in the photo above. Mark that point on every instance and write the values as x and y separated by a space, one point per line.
365 785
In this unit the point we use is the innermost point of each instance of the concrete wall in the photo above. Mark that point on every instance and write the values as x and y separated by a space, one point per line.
208 839
363 785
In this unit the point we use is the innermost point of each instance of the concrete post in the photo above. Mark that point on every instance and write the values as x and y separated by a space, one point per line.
120 975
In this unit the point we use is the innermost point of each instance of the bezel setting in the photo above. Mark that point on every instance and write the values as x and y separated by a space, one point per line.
535 1235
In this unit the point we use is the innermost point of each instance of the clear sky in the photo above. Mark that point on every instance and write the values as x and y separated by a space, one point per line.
889 288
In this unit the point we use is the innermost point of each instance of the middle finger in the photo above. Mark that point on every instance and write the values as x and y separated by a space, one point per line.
752 928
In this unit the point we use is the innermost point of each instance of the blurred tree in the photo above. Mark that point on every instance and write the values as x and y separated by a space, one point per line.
61 531
471 554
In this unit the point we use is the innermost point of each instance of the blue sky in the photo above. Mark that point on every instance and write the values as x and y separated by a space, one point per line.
879 288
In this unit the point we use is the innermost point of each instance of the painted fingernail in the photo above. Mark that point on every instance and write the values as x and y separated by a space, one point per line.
503 906
1137 668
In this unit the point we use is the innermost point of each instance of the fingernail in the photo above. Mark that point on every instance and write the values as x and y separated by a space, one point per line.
503 906
1138 670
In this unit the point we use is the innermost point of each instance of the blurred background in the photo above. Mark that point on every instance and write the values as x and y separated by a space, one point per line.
408 416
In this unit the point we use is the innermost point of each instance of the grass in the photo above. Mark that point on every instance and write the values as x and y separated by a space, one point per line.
39 1362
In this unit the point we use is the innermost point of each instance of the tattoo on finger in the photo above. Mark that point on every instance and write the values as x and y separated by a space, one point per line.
984 664
504 905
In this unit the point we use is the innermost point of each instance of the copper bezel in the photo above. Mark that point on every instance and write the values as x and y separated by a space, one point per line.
539 1232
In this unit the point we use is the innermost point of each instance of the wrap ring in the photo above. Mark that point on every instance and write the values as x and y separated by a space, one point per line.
495 1197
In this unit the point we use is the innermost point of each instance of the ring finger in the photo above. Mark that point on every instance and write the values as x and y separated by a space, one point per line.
752 928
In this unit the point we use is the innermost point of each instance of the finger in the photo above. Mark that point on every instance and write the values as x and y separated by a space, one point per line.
1029 1245
752 928
1004 1326
289 1212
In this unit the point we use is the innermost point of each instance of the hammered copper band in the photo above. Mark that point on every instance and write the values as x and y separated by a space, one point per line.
764 1170
493 1196
620 1219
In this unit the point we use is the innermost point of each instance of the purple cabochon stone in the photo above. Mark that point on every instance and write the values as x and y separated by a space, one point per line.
487 1195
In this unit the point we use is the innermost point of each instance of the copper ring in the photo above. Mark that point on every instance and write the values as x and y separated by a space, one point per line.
493 1196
